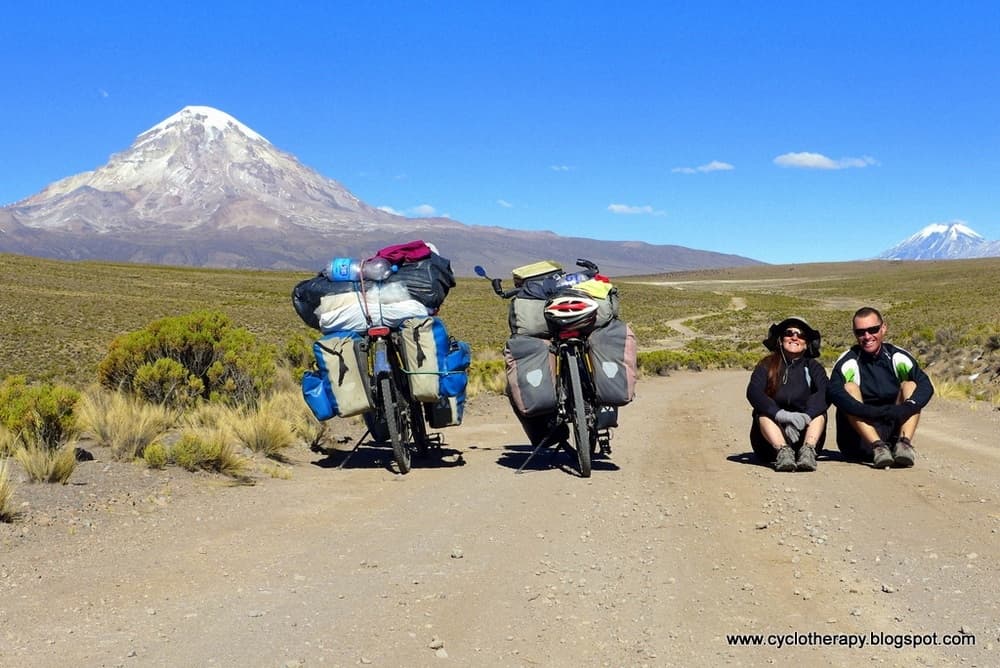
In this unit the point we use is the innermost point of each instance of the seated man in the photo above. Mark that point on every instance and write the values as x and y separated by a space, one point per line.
879 391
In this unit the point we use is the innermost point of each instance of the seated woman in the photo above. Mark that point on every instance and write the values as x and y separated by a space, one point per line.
787 390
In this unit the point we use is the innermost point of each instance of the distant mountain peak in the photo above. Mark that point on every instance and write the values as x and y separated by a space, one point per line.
209 118
202 188
943 241
952 230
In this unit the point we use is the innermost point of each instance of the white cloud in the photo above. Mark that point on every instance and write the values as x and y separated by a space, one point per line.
505 204
714 166
560 168
389 209
628 209
806 160
423 210
103 93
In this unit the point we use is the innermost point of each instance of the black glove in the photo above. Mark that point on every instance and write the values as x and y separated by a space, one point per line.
904 411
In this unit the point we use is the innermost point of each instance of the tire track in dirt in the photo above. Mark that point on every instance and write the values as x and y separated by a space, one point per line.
674 543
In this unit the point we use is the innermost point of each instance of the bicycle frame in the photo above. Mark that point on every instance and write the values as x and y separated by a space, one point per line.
393 403
576 403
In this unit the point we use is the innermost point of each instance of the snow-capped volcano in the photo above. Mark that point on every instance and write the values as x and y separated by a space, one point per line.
943 241
200 188
199 159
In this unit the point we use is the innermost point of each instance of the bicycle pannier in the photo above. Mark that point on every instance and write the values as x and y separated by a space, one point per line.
613 357
343 368
318 398
527 317
425 345
445 412
531 374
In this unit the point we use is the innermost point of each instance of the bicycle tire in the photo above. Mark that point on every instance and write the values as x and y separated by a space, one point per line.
398 424
581 432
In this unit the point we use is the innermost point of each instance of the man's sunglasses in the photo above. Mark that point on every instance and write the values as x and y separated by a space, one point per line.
861 331
794 334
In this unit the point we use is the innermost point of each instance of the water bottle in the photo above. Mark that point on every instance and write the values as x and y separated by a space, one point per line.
377 269
569 280
344 269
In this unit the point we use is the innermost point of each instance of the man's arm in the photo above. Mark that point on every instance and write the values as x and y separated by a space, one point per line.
925 389
844 371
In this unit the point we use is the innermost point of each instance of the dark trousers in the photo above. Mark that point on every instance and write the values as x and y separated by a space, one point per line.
765 451
850 444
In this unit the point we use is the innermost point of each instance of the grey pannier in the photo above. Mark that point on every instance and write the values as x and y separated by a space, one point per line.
613 356
531 374
527 317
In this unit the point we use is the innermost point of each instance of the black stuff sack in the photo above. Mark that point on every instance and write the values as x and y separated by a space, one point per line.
428 280
306 296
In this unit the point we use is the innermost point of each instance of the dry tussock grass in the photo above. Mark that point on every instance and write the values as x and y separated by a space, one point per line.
43 464
8 442
265 430
123 424
7 512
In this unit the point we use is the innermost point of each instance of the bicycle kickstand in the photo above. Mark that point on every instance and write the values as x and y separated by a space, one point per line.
355 448
544 443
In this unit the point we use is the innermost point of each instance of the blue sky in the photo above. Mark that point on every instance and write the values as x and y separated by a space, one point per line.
787 132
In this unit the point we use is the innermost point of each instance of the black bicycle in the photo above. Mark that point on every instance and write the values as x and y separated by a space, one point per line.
570 316
395 408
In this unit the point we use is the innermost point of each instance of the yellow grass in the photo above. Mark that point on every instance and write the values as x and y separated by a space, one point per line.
43 464
6 492
123 424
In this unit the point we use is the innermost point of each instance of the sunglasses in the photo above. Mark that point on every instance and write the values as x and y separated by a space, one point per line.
861 331
794 334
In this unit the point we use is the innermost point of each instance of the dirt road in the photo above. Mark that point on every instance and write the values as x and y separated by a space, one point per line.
674 544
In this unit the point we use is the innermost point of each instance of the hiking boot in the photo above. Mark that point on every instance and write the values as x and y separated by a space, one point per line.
785 461
903 454
807 459
882 455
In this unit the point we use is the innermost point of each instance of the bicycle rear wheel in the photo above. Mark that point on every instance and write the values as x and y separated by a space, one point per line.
398 419
581 430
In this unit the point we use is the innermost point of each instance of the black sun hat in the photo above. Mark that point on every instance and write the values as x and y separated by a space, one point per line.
812 336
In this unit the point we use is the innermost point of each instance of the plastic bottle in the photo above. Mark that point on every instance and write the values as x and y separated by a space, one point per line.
377 269
344 269
569 280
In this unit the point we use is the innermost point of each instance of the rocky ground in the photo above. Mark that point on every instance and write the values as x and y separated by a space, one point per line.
676 543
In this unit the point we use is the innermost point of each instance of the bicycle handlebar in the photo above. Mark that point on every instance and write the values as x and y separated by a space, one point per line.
497 283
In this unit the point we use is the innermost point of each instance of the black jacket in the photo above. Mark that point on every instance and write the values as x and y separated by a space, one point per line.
879 377
803 389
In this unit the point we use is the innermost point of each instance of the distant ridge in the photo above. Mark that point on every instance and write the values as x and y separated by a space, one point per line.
943 241
201 188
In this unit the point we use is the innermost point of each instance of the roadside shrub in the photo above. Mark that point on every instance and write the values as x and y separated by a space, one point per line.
7 512
44 464
168 383
209 451
298 353
156 455
207 358
123 424
487 376
38 414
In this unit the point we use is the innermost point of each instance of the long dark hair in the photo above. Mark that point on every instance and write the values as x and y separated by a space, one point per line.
773 363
